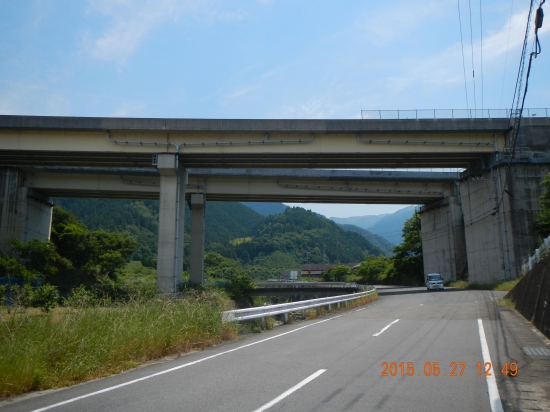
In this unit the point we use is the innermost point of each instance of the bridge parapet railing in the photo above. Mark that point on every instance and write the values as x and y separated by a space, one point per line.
286 308
450 114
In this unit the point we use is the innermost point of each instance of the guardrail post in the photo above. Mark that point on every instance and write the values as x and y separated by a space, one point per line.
286 318
338 305
303 314
329 308
346 303
264 323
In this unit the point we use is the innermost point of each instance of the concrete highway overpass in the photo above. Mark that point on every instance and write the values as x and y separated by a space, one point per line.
217 143
471 227
246 185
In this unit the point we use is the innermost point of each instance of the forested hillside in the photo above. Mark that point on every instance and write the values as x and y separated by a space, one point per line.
388 226
266 208
305 237
260 244
224 221
378 241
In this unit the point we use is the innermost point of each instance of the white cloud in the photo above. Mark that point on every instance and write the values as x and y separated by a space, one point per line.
445 67
133 20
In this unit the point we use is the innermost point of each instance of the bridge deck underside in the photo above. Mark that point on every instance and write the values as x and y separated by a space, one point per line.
258 160
270 188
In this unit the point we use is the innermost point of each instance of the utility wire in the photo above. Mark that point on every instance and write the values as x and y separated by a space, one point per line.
517 109
506 57
472 49
463 63
481 43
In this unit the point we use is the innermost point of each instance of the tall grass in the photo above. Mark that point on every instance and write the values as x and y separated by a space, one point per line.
506 285
71 345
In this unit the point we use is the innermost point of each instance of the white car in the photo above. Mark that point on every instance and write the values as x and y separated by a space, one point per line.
434 281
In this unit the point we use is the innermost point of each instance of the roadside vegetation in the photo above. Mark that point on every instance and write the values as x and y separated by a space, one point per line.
94 336
508 303
498 286
85 304
404 267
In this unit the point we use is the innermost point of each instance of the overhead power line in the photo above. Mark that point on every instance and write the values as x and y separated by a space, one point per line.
481 51
472 50
463 62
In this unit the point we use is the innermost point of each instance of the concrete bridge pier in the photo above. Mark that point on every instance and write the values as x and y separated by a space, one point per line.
488 227
24 213
196 258
443 241
173 178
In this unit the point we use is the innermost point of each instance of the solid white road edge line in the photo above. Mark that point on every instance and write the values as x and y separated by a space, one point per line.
387 327
494 396
55 405
291 390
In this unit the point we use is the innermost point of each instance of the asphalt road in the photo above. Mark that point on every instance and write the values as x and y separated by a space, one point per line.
333 363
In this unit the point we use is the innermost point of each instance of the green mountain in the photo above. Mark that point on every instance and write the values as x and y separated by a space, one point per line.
376 240
301 236
364 222
266 209
224 221
262 244
388 226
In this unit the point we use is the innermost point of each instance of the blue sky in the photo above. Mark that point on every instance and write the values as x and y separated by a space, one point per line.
262 59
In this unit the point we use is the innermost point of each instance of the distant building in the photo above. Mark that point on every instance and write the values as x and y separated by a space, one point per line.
316 270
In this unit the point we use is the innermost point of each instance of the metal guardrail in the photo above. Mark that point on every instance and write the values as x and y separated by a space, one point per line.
285 308
450 113
300 284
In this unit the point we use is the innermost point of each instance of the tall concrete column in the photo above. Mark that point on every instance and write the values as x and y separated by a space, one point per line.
24 213
173 179
443 242
196 259
487 227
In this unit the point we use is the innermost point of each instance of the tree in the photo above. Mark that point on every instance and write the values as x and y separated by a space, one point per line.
10 267
239 289
39 257
337 274
100 253
374 268
407 257
218 267
542 223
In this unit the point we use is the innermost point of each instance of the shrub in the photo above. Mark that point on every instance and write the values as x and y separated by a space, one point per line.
21 296
337 274
45 297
